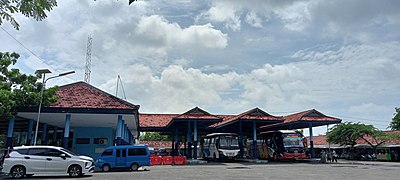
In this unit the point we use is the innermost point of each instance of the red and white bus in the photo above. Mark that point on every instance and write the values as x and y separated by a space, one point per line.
290 145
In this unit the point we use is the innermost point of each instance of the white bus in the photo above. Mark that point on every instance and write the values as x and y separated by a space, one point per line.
220 146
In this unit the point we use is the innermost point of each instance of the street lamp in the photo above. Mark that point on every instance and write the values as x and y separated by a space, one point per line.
44 72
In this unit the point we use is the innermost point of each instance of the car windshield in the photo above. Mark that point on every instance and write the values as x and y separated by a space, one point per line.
69 152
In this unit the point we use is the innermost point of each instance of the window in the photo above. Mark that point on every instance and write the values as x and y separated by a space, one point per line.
54 152
137 152
38 151
118 152
107 152
100 141
22 151
124 153
82 141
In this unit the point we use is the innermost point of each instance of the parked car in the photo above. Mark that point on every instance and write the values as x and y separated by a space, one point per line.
30 160
124 157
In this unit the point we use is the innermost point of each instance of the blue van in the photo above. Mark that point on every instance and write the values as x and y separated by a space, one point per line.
124 157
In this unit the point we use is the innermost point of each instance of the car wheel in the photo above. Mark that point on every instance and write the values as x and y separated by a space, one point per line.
75 171
105 168
134 167
17 172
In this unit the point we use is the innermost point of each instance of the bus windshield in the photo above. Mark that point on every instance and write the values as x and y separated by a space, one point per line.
228 142
292 140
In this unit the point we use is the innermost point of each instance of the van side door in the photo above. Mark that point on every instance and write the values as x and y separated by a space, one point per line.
120 158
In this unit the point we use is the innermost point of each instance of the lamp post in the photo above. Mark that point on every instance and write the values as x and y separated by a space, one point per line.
44 72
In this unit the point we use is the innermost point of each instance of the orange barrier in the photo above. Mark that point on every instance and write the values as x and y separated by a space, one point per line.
156 160
180 160
167 160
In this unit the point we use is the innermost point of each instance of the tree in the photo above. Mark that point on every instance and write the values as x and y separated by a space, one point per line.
349 133
20 90
154 136
395 124
29 8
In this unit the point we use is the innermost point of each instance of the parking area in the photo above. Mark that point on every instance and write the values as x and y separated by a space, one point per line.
244 170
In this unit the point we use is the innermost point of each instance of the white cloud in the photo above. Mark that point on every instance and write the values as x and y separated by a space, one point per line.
158 31
224 12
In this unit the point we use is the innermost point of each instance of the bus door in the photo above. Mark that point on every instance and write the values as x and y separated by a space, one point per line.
120 158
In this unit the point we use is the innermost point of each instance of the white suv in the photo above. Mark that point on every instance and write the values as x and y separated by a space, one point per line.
29 160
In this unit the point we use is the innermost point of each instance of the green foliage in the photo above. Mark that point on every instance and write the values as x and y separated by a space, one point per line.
154 136
19 90
395 124
29 8
348 134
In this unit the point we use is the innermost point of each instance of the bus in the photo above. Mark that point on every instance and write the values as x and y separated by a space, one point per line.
289 145
220 146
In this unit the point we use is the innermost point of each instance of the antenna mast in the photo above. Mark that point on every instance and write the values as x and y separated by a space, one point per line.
88 59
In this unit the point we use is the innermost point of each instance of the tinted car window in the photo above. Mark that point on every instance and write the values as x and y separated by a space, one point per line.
107 152
137 152
38 151
22 151
54 152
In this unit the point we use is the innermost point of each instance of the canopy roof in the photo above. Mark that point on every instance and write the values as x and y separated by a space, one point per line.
302 120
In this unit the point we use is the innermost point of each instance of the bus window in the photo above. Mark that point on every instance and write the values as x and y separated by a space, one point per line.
107 152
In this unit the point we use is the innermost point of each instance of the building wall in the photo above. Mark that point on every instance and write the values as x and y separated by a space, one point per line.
91 141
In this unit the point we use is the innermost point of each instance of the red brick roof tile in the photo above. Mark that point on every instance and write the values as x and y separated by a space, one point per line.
321 139
253 114
83 95
157 144
155 120
309 115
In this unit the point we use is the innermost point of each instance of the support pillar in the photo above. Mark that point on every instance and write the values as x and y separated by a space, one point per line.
66 130
44 134
10 132
28 139
19 138
55 136
176 142
311 140
173 144
195 140
241 153
124 134
255 141
119 130
189 140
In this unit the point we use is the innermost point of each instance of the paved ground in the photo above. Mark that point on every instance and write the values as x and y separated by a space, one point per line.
298 170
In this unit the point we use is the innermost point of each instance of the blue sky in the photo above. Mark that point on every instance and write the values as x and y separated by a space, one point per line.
227 56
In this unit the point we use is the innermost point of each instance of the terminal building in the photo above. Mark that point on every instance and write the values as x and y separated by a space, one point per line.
86 120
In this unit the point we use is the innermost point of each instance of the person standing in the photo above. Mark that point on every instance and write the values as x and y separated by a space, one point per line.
334 156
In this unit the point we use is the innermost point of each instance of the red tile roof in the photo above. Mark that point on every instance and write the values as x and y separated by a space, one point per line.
253 114
155 120
197 113
157 144
321 140
309 115
83 95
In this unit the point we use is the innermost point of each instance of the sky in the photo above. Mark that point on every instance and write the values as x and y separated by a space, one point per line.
339 57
